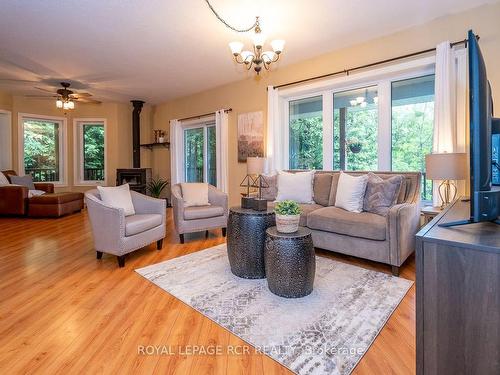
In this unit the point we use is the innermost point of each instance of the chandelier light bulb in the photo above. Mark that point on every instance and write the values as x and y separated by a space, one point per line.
360 99
278 45
363 104
258 40
247 56
236 48
59 103
375 100
268 56
353 102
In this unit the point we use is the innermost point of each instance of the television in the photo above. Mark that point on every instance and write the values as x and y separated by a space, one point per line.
484 196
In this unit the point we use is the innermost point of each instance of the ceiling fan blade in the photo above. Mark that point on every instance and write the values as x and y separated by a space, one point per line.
17 80
81 95
46 90
86 100
39 96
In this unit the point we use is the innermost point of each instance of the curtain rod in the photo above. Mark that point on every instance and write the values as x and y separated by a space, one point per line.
348 71
203 115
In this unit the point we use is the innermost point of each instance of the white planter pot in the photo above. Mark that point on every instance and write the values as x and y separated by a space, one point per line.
287 223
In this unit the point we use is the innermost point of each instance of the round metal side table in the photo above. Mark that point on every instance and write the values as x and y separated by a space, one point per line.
290 262
246 236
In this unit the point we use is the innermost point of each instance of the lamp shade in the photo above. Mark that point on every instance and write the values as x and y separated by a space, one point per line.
446 166
256 165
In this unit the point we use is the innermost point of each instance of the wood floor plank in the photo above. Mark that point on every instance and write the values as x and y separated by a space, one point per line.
63 311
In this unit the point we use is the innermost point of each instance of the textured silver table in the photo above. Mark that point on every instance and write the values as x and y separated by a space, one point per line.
290 262
246 236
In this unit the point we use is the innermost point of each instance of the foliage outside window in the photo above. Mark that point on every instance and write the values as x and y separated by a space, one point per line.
93 152
41 149
200 159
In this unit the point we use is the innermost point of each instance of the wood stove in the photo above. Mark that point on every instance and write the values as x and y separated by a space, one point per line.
137 178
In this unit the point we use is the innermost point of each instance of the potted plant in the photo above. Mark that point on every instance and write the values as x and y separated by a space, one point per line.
287 216
156 186
355 146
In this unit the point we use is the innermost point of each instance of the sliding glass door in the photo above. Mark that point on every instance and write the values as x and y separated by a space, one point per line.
200 159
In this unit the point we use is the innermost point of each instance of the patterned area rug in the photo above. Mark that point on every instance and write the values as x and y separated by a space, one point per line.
326 332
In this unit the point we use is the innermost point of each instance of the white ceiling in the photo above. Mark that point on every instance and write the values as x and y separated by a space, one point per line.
156 50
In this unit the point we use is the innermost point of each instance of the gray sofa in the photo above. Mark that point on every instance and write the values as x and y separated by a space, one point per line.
387 239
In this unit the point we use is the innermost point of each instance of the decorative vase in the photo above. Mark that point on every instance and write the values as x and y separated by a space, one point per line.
287 223
161 139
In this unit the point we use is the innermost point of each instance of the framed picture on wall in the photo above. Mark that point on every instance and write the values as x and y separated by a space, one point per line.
250 135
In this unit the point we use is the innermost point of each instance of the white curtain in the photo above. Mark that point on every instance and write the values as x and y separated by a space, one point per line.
274 143
450 104
222 134
176 162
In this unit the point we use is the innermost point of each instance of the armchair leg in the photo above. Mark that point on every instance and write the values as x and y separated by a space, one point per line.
181 238
206 234
159 244
395 271
121 261
98 254
223 232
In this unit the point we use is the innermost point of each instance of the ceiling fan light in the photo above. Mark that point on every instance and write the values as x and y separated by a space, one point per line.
236 47
278 45
71 104
59 103
65 105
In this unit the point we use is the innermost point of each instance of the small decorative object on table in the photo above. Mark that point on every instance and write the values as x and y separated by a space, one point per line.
246 199
287 216
156 186
255 167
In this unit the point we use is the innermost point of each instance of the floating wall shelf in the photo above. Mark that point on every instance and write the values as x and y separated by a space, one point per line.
151 145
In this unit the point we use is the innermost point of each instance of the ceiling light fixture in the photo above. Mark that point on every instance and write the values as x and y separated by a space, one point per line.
257 58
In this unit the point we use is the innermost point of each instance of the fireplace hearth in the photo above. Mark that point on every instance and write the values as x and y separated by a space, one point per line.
137 178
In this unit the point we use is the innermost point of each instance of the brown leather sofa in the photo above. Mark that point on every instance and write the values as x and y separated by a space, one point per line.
14 200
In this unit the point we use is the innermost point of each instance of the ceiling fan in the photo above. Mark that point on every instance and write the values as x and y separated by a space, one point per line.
66 98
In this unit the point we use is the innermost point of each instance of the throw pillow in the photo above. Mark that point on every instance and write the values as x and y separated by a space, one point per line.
381 194
195 194
333 189
23 181
351 192
322 186
270 193
118 197
295 186
3 179
35 193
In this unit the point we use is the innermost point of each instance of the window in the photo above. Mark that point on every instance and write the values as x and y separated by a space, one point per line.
42 148
200 160
355 129
413 126
90 148
306 133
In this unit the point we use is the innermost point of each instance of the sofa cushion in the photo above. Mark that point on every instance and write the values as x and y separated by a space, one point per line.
57 198
194 194
202 212
271 191
306 210
118 197
23 181
136 224
337 220
381 194
3 179
297 186
351 192
333 189
322 185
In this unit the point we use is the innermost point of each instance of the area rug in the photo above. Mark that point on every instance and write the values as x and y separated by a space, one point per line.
326 332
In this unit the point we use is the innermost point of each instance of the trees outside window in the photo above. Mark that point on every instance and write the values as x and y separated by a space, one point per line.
200 159
90 151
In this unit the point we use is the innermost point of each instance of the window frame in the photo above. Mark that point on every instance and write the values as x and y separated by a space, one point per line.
63 162
382 78
205 123
78 157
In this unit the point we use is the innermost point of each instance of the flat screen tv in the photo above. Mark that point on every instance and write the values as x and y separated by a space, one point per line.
484 197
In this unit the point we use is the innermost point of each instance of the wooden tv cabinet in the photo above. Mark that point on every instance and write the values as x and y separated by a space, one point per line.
458 296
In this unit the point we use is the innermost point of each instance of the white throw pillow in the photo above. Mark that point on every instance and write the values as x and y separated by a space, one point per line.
295 186
35 193
351 192
3 179
195 194
118 197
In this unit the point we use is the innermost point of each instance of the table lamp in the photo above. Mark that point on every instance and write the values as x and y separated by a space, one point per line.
256 167
446 167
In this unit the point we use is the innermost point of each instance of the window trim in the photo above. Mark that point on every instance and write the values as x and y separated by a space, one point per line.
204 122
63 160
78 151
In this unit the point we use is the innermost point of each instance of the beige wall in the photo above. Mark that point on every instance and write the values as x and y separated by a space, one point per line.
251 95
118 137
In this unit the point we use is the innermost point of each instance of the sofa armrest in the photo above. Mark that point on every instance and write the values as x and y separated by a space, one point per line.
217 198
45 186
13 200
403 220
148 205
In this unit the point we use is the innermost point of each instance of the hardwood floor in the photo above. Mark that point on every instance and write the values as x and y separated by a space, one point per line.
64 311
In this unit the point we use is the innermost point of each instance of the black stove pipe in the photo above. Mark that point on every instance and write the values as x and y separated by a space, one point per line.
136 132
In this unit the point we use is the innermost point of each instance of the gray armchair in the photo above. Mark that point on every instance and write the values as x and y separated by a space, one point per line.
117 234
200 218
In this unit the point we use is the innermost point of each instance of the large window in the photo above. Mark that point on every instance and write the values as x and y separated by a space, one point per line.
200 158
42 148
355 129
90 151
306 133
413 126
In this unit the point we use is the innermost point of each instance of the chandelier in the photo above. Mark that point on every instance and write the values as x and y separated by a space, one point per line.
257 57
